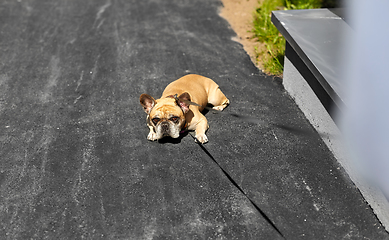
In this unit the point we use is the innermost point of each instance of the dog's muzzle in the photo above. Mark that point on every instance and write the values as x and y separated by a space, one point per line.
165 128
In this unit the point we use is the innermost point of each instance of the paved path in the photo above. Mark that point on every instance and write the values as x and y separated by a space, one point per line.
75 162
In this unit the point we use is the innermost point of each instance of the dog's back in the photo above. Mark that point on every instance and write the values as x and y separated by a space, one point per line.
198 87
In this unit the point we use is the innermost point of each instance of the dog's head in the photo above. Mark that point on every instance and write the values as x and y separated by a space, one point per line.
166 115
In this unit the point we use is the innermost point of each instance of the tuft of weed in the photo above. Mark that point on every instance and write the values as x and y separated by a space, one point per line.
272 57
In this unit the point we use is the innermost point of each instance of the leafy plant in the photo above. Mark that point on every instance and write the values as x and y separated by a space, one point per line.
272 57
301 4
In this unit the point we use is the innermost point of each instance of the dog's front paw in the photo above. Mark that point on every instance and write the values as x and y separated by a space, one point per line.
202 138
152 136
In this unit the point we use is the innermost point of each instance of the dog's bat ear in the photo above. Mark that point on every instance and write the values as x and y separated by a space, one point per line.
147 102
183 101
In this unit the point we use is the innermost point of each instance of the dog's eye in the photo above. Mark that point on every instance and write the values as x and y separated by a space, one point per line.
155 120
174 119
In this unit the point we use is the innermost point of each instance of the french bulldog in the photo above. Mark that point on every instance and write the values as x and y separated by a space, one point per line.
180 107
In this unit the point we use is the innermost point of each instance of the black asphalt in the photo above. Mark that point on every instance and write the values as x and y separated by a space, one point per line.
75 162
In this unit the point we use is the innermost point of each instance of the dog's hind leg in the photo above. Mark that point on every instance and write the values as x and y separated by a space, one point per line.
218 100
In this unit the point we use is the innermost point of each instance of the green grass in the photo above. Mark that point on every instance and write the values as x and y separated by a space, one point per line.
272 57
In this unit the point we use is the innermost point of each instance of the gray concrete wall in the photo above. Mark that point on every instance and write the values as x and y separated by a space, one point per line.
306 99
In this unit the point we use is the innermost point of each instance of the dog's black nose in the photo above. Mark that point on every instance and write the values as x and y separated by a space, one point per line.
165 127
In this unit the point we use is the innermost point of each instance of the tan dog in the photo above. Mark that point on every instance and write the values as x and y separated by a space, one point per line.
167 116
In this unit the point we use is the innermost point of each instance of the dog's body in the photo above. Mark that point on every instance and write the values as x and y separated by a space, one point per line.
168 115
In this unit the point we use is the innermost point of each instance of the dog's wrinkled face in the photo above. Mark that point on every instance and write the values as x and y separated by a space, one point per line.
166 116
